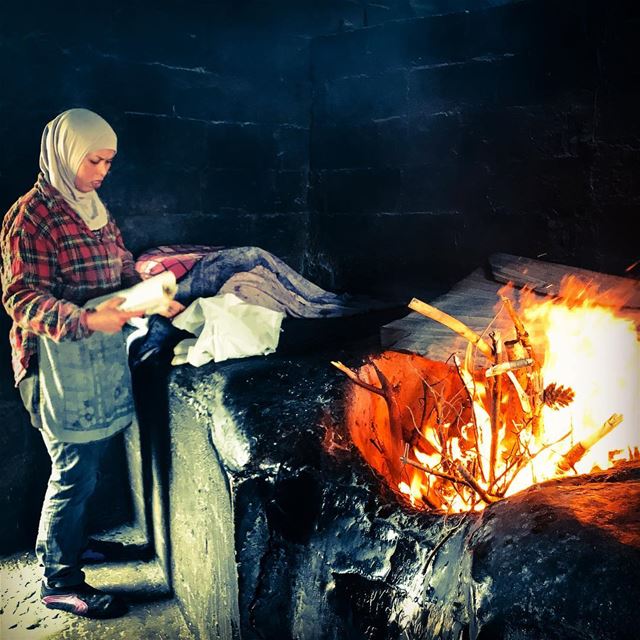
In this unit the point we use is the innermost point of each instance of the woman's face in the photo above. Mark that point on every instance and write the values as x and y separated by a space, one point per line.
93 169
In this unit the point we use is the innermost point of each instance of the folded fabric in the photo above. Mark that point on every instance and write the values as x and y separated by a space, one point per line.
261 286
258 275
251 273
226 327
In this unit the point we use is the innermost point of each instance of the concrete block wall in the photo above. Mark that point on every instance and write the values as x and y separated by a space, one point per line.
438 140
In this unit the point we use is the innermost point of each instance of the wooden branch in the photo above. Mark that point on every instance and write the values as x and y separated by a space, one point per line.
521 332
452 323
522 396
520 461
578 451
466 377
439 474
512 365
469 386
353 376
438 400
395 423
471 481
395 426
385 391
496 413
424 497
535 388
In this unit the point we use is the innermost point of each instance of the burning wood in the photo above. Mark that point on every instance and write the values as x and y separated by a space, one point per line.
496 409
469 439
522 396
577 452
503 367
534 387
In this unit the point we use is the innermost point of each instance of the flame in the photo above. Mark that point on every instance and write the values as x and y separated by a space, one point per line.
594 350
470 439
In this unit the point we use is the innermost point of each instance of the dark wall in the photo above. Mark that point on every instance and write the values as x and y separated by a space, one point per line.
438 140
212 102
211 112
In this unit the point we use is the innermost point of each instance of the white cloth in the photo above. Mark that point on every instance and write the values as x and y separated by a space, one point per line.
66 140
226 327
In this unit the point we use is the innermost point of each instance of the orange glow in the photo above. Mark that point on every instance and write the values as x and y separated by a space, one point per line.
458 439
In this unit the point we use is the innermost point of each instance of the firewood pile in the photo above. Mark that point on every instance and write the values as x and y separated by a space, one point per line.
459 435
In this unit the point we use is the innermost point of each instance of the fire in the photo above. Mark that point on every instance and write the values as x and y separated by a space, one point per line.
594 350
457 436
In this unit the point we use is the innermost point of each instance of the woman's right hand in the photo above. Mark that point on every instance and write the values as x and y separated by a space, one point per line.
108 318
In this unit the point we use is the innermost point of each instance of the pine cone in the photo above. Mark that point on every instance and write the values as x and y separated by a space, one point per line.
556 396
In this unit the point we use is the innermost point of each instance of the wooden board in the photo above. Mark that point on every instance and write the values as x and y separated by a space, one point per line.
475 300
472 301
546 277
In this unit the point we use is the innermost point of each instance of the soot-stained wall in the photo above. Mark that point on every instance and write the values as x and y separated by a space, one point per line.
438 140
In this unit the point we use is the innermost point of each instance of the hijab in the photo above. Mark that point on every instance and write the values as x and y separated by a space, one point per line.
66 140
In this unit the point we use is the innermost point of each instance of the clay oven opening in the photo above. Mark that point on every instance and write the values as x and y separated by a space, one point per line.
548 389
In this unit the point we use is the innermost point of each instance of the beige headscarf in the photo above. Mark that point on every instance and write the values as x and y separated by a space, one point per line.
66 140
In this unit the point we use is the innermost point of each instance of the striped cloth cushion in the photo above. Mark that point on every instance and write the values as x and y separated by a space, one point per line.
177 258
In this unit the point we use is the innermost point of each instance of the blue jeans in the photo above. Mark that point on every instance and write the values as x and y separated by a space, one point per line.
74 469
61 534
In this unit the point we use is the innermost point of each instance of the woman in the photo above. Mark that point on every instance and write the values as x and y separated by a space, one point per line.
61 248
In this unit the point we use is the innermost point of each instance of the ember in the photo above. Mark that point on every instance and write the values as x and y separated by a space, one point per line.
520 409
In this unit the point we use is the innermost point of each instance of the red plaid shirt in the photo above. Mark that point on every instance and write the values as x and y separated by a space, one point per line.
51 265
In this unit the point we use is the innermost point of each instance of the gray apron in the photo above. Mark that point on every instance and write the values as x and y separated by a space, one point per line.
84 387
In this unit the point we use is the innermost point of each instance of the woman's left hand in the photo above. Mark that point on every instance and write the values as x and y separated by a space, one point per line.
173 309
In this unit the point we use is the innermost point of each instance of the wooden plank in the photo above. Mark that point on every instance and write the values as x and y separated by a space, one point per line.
488 288
485 299
474 301
441 350
546 277
471 300
416 322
